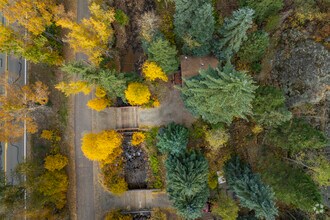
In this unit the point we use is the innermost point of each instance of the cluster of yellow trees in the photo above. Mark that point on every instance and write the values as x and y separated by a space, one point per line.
106 148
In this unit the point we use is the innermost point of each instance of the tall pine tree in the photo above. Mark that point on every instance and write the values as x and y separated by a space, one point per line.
172 139
187 183
219 95
194 25
233 33
249 188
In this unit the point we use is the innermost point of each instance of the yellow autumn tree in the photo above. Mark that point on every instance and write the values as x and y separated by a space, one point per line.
73 88
33 15
92 35
100 92
138 138
137 94
17 106
55 162
99 146
152 71
98 104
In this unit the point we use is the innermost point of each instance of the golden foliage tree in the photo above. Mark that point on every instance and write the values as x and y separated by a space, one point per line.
137 94
100 145
152 71
73 88
17 105
98 104
138 138
55 162
93 35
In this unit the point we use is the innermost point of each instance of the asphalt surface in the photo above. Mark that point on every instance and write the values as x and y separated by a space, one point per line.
83 124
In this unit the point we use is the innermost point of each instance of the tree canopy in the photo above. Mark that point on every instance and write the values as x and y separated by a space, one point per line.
219 95
194 25
187 183
172 139
249 188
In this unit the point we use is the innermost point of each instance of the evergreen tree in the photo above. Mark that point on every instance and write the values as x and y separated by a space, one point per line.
263 8
187 183
172 139
219 95
297 135
233 33
269 107
194 25
113 82
249 188
292 186
254 47
164 54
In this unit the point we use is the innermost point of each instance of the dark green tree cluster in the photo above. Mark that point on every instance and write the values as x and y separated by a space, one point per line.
172 139
219 95
292 186
164 54
113 82
263 8
269 107
249 188
254 47
233 33
187 183
297 135
194 25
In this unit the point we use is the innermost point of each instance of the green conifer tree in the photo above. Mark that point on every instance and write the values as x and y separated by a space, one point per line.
164 54
269 107
172 139
233 33
250 190
194 25
219 95
297 135
187 183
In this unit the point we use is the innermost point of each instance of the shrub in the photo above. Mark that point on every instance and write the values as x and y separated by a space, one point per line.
212 180
272 23
73 88
219 95
116 215
194 25
121 17
138 138
99 146
291 185
269 108
137 94
100 92
164 54
254 47
187 183
225 207
263 8
152 71
297 135
98 104
321 171
172 139
233 33
54 185
55 162
157 214
216 138
250 190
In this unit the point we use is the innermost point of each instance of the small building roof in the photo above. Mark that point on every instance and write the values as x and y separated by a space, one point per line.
190 66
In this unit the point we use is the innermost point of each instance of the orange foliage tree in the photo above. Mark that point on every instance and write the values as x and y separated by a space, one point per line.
74 88
152 71
93 35
137 94
100 145
17 104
